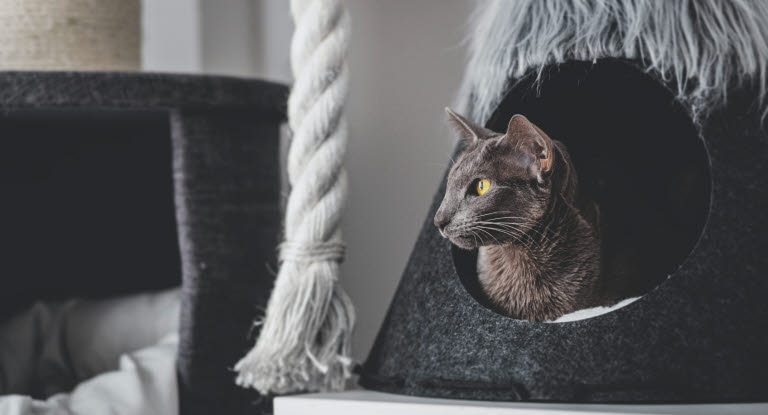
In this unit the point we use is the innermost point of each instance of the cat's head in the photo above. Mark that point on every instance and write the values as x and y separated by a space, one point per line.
499 187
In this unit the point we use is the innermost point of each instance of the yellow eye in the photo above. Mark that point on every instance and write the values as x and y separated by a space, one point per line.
482 186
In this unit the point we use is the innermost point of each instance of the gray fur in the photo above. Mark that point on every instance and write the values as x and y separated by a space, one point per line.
702 45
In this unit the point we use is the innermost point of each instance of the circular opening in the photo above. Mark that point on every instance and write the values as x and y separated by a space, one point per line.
638 155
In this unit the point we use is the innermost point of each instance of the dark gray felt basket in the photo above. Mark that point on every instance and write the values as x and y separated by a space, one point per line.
114 183
689 197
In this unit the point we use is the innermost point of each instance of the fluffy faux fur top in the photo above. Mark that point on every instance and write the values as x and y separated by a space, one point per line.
704 46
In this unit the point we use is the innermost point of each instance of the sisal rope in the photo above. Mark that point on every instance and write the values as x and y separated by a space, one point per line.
304 344
70 35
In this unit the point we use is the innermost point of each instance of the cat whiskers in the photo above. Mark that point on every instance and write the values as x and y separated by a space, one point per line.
465 229
468 228
515 233
507 225
473 227
527 227
513 236
484 226
470 224
481 229
509 230
527 223
515 230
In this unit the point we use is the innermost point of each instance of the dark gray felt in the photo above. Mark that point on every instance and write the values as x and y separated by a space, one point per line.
699 336
139 90
227 189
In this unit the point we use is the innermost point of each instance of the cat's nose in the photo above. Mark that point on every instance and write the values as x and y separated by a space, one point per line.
441 222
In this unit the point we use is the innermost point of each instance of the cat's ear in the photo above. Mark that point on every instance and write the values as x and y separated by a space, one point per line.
530 137
466 129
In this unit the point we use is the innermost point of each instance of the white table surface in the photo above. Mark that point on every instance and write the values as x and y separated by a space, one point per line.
359 402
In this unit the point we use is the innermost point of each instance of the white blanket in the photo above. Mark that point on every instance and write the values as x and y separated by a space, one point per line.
125 347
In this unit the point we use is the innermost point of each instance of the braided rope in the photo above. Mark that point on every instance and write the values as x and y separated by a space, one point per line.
304 344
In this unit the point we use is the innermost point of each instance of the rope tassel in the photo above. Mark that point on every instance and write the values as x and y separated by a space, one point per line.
304 344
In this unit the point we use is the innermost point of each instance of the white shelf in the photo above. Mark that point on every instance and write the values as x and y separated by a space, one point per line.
376 403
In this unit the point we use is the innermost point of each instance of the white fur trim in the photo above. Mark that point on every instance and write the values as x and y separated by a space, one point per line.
593 312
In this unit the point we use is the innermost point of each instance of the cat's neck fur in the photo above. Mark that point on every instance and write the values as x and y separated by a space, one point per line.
533 279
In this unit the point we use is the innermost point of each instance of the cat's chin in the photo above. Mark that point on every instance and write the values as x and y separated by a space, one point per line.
464 243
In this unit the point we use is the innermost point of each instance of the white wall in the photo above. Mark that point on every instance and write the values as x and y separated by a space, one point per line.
406 62
226 37
171 35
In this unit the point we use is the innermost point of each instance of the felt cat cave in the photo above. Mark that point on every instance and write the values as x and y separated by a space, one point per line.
661 105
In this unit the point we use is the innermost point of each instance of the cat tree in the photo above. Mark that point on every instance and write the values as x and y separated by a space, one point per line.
661 105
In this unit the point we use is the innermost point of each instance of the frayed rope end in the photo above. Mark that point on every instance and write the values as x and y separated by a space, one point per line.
278 378
305 341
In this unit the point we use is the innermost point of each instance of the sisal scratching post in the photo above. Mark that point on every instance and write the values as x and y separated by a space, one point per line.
304 344
70 35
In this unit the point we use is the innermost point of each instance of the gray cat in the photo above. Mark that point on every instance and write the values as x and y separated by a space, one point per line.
515 197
